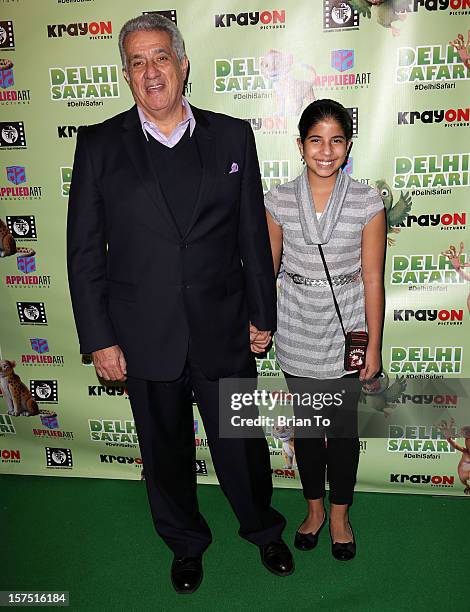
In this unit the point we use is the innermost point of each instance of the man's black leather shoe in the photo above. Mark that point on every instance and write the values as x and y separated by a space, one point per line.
277 558
186 574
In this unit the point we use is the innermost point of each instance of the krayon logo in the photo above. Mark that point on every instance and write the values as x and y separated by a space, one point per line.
7 36
455 7
446 221
137 461
339 15
95 29
31 313
434 481
67 131
12 135
266 19
442 317
10 456
452 117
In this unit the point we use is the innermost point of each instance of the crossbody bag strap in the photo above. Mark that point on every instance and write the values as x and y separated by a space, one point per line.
327 272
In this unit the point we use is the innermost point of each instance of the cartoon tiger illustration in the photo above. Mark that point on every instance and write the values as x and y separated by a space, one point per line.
8 244
17 395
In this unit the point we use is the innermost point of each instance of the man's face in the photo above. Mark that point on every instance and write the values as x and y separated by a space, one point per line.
154 73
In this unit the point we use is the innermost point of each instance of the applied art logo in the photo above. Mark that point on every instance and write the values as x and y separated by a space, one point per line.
16 176
41 356
7 80
26 264
39 345
342 59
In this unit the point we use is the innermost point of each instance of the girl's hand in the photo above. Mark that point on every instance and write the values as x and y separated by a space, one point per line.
373 364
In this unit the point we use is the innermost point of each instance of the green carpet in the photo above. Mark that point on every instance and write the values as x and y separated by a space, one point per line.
95 539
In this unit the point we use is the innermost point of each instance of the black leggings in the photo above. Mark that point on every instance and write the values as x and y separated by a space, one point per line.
336 457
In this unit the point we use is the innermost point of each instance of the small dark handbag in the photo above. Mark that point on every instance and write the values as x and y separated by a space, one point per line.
355 341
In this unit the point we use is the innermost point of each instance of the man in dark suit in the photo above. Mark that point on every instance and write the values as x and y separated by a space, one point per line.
171 277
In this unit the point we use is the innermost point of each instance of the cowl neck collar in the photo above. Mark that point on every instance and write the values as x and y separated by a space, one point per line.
318 231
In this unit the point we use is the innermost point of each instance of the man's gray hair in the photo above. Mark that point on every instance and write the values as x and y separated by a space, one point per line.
152 21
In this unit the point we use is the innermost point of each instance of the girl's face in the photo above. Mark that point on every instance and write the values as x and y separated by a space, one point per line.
325 148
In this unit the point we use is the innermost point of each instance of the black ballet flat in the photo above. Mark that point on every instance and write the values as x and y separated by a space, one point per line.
308 541
343 551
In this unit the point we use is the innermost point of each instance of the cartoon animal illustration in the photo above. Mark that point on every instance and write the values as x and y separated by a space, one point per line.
462 48
380 395
458 266
290 93
8 244
17 395
463 468
395 214
387 11
286 436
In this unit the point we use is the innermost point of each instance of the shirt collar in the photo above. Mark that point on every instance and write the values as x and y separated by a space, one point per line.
189 119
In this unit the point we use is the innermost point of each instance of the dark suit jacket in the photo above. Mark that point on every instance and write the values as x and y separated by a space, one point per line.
137 282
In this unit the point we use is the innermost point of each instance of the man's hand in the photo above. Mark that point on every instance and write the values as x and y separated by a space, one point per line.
259 340
110 363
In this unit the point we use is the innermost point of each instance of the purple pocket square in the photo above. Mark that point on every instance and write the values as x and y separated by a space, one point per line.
234 168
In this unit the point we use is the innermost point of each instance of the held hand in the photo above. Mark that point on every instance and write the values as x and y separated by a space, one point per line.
259 340
110 363
372 365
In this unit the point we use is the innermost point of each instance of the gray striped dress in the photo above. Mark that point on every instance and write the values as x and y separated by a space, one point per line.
309 341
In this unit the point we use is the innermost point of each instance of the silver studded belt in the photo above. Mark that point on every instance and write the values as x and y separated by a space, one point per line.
341 279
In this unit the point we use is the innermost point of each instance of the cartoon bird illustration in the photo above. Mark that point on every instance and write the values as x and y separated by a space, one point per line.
395 214
381 397
387 11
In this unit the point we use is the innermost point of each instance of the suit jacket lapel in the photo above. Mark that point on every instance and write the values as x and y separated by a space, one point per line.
135 145
206 143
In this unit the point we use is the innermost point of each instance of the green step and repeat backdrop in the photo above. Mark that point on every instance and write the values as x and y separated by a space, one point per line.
401 67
